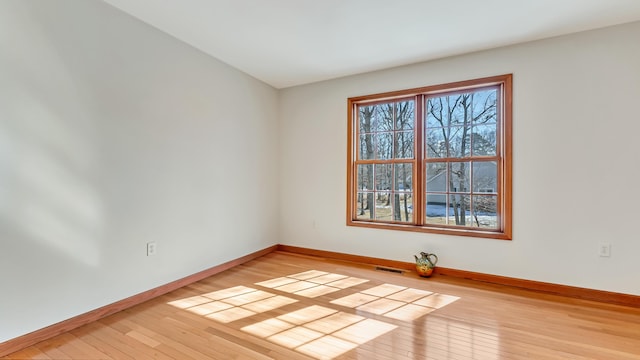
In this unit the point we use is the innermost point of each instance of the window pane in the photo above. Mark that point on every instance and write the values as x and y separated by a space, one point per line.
405 115
365 118
364 206
459 206
436 209
383 206
435 113
459 176
484 140
485 177
375 118
451 109
484 106
384 145
459 115
459 145
404 145
365 177
436 177
435 143
384 175
382 117
402 207
403 177
366 146
485 211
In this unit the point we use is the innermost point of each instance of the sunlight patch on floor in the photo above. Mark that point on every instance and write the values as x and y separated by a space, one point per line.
317 331
232 304
397 302
312 283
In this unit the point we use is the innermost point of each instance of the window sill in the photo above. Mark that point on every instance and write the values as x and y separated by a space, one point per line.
498 235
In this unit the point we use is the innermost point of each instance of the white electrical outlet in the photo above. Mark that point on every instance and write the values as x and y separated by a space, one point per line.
605 249
151 248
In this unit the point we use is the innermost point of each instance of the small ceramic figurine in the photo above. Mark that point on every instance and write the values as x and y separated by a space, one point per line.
425 264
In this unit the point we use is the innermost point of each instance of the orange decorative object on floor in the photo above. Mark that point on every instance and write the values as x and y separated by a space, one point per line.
425 264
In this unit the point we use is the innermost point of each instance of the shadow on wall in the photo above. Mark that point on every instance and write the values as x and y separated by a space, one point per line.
47 159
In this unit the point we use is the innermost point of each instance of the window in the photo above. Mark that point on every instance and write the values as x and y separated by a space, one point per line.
433 159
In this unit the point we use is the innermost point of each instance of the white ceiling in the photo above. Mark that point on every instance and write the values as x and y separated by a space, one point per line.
292 42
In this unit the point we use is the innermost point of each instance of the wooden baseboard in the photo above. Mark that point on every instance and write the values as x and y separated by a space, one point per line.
13 345
550 288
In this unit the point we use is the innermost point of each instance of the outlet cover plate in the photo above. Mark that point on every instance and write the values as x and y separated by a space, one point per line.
151 248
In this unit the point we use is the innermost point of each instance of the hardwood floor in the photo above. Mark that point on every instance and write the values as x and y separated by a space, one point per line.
287 306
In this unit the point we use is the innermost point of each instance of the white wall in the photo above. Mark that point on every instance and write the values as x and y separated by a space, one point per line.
576 173
113 134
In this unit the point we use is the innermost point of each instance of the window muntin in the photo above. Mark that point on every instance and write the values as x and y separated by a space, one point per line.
433 159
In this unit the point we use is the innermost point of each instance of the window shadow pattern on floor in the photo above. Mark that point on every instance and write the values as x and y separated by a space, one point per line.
322 332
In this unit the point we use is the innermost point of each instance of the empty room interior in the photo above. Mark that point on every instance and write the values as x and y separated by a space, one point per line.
297 179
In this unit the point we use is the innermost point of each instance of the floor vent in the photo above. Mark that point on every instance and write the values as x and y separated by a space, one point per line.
397 271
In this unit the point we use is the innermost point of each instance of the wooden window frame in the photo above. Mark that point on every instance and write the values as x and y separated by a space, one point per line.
420 95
